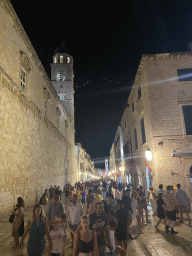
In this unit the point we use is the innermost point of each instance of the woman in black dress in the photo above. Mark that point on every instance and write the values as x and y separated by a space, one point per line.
160 210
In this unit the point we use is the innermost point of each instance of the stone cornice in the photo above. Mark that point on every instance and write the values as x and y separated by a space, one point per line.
6 4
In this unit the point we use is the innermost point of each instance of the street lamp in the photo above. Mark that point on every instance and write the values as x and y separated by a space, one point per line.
148 155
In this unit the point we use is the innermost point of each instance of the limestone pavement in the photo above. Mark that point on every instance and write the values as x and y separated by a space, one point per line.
150 243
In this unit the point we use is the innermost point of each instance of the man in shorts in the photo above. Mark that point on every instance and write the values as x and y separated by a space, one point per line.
183 202
170 203
74 213
126 200
122 217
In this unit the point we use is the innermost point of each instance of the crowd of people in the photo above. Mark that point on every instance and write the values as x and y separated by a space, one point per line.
98 214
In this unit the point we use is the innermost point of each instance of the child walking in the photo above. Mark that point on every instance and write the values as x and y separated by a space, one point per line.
111 245
57 236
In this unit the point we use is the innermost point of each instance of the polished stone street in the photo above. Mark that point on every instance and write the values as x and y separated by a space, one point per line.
149 243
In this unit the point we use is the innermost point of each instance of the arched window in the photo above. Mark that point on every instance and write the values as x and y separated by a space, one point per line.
68 60
61 59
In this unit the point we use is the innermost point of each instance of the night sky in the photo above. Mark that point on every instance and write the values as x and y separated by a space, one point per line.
107 40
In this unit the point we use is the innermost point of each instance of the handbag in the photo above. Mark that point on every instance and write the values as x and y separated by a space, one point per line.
11 218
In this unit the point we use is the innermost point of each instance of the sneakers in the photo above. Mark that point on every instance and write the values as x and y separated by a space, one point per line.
167 229
173 232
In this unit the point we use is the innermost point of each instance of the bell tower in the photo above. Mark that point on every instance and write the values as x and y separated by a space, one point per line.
62 79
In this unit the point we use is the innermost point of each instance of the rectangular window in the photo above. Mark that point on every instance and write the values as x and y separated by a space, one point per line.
61 95
126 148
187 113
58 76
136 142
184 74
143 131
23 78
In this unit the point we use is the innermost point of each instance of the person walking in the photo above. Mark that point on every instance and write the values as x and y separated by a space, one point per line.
83 200
111 247
46 193
85 241
122 222
46 207
126 200
91 208
56 208
152 198
99 196
58 191
73 214
160 210
57 237
170 203
183 202
134 204
18 221
51 193
37 227
161 190
98 223
89 197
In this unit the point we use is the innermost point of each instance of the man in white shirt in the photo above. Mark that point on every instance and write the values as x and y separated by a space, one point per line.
73 214
161 190
183 202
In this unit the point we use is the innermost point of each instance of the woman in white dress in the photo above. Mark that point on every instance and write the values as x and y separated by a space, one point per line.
134 204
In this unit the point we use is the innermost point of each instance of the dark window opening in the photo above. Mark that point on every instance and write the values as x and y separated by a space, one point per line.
191 171
126 148
184 74
139 93
191 174
187 113
133 108
143 131
136 142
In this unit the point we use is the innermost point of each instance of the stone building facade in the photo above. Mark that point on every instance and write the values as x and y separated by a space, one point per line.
85 168
158 119
36 131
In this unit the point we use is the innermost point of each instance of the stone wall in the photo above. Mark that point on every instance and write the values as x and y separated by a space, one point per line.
36 134
160 104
